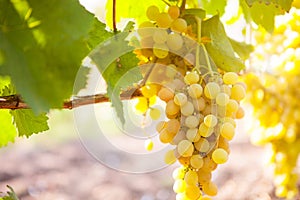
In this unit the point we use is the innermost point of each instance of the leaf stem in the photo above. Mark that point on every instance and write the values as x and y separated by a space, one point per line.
114 16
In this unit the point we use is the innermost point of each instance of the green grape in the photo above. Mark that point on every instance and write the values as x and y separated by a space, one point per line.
195 91
191 78
152 12
219 156
174 12
179 25
210 121
149 145
187 109
155 113
211 90
160 36
230 78
196 161
193 135
174 41
163 20
185 148
191 121
180 99
227 130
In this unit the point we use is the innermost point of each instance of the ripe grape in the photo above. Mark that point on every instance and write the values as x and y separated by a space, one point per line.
195 91
174 12
230 78
211 90
152 12
191 78
163 20
227 130
180 99
219 156
187 109
179 25
185 148
155 113
174 41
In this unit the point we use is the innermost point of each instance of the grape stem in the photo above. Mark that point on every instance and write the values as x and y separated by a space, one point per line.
114 16
148 73
182 7
166 2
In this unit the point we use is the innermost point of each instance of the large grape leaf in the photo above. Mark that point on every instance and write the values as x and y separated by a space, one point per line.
115 58
214 7
220 48
43 53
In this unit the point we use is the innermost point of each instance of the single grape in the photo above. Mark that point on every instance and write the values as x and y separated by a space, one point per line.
210 120
185 148
210 189
219 156
174 41
191 121
196 161
155 113
222 99
238 92
187 109
193 135
172 108
163 20
211 90
191 78
174 12
227 130
160 36
180 99
152 12
170 157
191 177
160 50
230 78
179 25
195 91
179 186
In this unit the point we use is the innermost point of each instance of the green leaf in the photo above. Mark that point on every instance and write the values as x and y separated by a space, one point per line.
253 10
220 49
283 4
115 60
11 195
195 12
81 81
43 60
214 7
98 34
28 123
8 131
241 48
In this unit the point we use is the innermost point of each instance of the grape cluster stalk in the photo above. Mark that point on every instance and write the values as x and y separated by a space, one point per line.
201 104
274 95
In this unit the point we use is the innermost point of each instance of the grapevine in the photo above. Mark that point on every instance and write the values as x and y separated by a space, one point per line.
201 103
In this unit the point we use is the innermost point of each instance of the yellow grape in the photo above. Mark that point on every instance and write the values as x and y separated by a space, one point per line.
149 90
230 78
165 94
191 177
179 25
170 157
195 91
193 135
210 189
232 106
160 126
187 109
155 113
160 36
210 120
191 78
219 156
199 104
174 41
179 186
152 12
222 99
238 92
202 145
211 90
196 161
227 130
204 130
163 20
180 99
192 192
160 50
172 108
173 126
174 12
165 136
191 121
178 173
204 176
185 148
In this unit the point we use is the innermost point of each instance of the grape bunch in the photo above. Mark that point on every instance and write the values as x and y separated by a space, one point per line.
274 95
201 102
